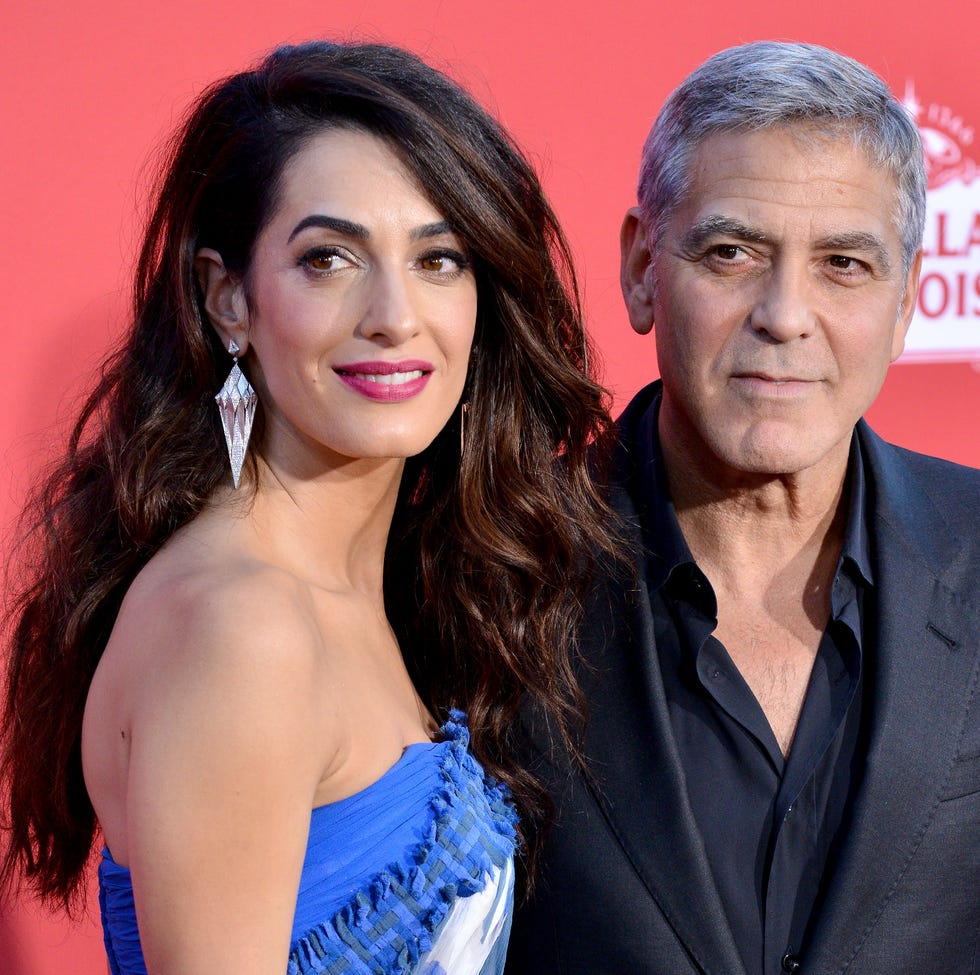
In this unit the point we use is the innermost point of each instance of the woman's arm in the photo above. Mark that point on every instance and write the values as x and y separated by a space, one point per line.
228 744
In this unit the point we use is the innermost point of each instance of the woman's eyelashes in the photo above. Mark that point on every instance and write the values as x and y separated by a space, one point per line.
324 261
443 262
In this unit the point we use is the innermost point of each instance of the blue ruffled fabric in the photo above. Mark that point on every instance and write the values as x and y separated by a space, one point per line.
383 867
122 939
391 922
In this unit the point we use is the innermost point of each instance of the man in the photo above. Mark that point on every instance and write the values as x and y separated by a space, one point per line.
783 745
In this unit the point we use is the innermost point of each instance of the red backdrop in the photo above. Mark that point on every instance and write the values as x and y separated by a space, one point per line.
89 87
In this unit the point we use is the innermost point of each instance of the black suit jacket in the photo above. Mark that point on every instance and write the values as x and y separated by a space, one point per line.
625 885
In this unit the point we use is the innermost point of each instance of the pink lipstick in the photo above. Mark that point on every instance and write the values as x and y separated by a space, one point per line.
388 382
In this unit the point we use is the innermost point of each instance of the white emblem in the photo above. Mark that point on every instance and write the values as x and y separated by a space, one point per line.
946 327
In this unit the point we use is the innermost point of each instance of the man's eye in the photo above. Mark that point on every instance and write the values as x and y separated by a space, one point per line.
845 263
727 252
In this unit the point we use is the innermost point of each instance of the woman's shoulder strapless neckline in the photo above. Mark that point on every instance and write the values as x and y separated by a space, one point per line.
410 874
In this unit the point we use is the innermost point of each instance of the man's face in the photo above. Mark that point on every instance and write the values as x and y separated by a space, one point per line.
778 298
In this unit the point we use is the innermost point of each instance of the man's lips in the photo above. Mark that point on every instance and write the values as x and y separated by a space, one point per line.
766 384
387 381
771 378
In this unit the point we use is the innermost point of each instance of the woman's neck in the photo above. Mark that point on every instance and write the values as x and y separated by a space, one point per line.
331 529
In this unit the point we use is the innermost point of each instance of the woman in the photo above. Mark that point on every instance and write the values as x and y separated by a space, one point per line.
235 678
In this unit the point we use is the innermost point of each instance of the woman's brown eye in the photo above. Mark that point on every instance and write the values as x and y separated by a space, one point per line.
444 263
326 260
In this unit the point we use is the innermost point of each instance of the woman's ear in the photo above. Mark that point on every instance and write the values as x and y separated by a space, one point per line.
224 298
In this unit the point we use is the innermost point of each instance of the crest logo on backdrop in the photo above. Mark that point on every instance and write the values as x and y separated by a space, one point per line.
946 326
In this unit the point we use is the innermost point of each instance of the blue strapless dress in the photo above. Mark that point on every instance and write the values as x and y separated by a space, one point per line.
414 875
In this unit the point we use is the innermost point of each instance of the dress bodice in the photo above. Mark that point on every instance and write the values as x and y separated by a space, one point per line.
414 874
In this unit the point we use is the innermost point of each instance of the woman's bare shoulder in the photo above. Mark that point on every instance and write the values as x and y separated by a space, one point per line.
204 623
217 663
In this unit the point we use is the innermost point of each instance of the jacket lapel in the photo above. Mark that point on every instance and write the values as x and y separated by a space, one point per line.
921 667
629 744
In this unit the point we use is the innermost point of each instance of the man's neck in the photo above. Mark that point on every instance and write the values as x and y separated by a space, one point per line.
742 526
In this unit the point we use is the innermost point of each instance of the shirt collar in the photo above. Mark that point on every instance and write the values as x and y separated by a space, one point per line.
857 543
666 546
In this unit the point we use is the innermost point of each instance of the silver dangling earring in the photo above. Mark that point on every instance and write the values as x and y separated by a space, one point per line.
236 406
463 410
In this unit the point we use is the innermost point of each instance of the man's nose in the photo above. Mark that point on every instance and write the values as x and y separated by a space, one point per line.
784 308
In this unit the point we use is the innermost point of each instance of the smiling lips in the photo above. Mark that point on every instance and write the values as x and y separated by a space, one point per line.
389 382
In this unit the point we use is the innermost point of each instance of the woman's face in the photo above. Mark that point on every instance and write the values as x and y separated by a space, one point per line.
361 309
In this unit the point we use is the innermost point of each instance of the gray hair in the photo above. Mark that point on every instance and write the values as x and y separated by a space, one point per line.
767 84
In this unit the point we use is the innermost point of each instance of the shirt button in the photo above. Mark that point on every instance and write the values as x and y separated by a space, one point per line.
790 962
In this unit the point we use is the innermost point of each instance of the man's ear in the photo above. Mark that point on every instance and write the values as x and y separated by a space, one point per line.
224 298
907 307
636 271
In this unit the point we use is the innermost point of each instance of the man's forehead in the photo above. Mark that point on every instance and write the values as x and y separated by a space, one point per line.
797 141
791 172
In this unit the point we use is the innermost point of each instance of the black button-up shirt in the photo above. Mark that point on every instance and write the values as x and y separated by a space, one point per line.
768 823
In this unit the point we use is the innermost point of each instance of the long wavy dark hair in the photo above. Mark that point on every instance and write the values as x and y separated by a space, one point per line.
490 540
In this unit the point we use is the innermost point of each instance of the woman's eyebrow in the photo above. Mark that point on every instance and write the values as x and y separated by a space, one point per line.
433 230
351 229
346 227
